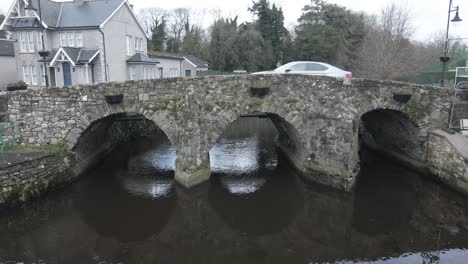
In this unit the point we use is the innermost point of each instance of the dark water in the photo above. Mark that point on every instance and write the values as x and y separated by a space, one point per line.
254 210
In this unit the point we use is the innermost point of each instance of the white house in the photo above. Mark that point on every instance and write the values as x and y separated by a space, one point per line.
89 41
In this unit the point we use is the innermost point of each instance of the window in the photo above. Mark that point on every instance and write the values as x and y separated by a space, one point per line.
315 67
43 81
188 73
129 45
63 39
39 41
299 67
30 41
32 70
71 39
137 40
26 75
145 73
26 41
79 39
153 72
23 42
133 74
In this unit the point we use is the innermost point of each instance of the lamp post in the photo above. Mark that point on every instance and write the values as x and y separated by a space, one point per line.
42 53
445 58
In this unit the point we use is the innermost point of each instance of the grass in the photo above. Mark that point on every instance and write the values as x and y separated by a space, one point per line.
52 149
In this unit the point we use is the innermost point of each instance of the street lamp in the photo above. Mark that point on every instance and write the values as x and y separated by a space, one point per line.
445 58
42 53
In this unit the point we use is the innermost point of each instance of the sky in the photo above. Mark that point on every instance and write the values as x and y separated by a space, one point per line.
429 16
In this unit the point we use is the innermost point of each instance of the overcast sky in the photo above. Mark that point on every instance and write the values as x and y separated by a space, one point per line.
429 16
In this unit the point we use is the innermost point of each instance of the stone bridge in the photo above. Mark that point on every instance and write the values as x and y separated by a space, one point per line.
321 121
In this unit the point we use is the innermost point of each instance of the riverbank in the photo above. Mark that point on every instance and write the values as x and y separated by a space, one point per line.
25 175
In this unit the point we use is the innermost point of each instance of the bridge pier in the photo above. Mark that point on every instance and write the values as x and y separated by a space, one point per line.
192 164
329 156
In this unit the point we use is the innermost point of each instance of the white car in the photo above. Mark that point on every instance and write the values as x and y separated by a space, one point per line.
310 68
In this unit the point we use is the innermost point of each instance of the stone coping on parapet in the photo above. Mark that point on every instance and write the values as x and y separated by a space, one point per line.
10 159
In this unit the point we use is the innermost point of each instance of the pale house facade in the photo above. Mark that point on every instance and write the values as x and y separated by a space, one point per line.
90 41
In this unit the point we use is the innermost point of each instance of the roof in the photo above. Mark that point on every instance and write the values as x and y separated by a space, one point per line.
198 63
6 48
26 22
167 56
75 55
142 58
74 14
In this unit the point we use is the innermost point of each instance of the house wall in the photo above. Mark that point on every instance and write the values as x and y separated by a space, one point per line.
122 24
187 66
140 72
7 71
171 67
26 58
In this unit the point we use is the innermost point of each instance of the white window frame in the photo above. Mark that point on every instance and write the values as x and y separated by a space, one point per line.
79 39
42 69
23 42
39 40
71 39
63 39
30 39
129 45
26 78
32 69
133 73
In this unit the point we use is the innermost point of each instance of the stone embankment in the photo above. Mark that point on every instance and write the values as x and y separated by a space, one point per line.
27 175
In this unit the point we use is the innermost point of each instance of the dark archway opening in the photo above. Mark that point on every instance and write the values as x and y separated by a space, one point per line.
252 187
392 133
385 195
129 192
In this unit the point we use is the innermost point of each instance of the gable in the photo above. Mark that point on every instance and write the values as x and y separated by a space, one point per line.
125 13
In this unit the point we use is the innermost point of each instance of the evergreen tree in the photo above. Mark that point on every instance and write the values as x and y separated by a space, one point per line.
329 33
223 50
270 24
158 36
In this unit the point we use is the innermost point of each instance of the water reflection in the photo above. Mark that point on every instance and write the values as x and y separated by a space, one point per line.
385 199
129 210
245 156
138 193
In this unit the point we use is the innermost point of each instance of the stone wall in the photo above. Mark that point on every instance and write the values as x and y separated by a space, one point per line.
320 114
447 158
23 176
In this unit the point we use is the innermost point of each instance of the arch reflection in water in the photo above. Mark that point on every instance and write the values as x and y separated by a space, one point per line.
249 191
268 210
244 154
132 202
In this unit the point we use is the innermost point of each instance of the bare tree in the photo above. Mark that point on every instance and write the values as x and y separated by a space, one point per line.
387 51
150 17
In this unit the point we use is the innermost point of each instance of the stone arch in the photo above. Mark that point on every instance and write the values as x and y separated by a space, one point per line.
291 139
100 112
89 139
393 132
291 121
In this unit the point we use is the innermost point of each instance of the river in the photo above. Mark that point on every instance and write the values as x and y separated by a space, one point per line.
255 209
